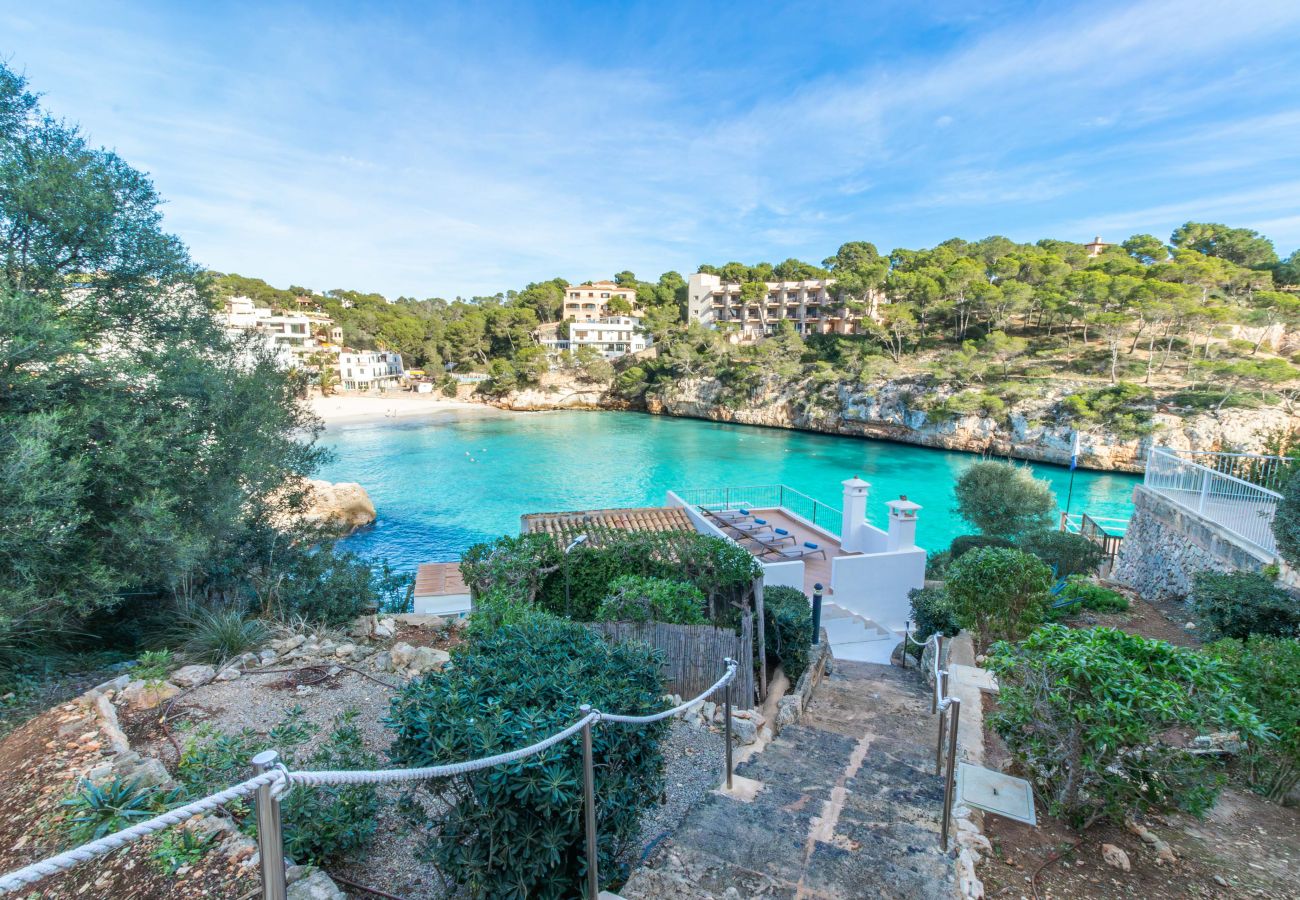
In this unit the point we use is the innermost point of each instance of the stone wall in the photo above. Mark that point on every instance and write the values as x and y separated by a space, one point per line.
1166 545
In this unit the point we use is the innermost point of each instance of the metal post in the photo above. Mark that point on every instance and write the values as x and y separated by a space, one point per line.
589 794
1205 489
726 718
817 615
949 782
907 634
943 719
938 657
270 839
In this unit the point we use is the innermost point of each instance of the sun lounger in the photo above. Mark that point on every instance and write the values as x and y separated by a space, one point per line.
808 549
729 515
758 526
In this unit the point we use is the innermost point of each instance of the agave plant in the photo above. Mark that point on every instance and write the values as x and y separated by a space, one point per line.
100 809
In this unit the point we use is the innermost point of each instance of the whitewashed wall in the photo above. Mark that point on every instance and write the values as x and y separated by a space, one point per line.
876 585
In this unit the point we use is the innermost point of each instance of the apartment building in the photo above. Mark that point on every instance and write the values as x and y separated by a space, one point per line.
807 304
613 336
363 370
588 302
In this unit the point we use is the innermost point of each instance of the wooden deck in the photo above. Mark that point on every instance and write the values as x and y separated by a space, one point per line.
815 569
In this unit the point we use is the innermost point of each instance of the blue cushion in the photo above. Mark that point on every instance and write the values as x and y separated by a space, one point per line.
760 521
782 531
811 545
743 511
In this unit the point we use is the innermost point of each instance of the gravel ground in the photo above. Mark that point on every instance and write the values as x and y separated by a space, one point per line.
694 766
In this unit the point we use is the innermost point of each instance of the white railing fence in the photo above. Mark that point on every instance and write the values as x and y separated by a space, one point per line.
765 496
1270 472
271 781
1238 506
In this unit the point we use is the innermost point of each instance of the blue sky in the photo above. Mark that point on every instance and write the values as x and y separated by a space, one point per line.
443 150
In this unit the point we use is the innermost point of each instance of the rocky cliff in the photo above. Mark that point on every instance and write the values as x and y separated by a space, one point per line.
344 506
894 410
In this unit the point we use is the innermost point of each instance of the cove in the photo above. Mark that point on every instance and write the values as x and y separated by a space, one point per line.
441 485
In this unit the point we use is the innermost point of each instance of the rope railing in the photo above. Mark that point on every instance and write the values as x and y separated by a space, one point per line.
272 782
940 704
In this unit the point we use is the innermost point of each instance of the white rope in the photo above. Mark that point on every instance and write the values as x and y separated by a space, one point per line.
386 776
86 852
696 701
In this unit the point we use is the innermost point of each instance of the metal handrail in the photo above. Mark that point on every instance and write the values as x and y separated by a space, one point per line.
272 781
1234 504
940 703
817 512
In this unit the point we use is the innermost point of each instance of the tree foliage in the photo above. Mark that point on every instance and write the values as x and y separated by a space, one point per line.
1004 500
999 593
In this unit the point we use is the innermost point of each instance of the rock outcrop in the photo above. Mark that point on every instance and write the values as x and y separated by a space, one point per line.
344 506
1031 430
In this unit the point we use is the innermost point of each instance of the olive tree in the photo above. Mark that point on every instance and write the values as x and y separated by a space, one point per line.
1004 500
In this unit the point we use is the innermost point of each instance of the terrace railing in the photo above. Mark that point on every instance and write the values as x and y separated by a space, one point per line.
1238 506
1270 472
765 496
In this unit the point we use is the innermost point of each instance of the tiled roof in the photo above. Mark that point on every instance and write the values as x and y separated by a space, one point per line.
568 525
439 580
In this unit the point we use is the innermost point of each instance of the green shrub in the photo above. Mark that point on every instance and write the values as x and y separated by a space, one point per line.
936 564
330 586
635 598
1127 408
321 824
787 629
533 569
1067 554
180 847
999 593
932 612
153 665
1084 593
1268 669
1239 604
1083 712
516 830
966 542
96 810
1004 500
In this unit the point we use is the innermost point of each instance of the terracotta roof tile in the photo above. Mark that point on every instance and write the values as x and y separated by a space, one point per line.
568 525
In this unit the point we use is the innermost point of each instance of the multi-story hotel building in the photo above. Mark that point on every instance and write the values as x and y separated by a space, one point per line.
361 370
588 302
807 304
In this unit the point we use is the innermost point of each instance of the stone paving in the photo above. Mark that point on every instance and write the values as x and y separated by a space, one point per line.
847 806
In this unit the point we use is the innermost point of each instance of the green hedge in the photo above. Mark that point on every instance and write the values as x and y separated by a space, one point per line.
963 544
1068 554
516 830
932 612
787 629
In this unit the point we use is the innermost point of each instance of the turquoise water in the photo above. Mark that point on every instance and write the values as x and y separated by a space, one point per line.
441 486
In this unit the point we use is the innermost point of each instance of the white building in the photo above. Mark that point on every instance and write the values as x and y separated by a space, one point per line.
589 302
614 336
362 370
293 336
808 304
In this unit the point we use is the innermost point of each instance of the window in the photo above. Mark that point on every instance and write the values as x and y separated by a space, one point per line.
604 296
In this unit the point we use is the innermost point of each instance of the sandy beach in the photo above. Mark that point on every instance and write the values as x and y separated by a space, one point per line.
392 407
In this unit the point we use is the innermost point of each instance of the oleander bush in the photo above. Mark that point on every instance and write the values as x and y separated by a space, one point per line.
1268 670
517 830
787 629
932 612
1086 714
1067 554
635 598
1239 604
999 593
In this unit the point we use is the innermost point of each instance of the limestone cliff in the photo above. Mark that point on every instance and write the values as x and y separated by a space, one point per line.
1032 429
344 506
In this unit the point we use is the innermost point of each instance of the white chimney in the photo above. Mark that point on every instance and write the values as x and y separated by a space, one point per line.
853 525
902 524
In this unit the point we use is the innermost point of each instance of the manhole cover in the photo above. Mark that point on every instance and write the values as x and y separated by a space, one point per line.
996 792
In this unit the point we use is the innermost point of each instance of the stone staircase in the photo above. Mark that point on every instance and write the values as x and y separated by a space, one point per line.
844 804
